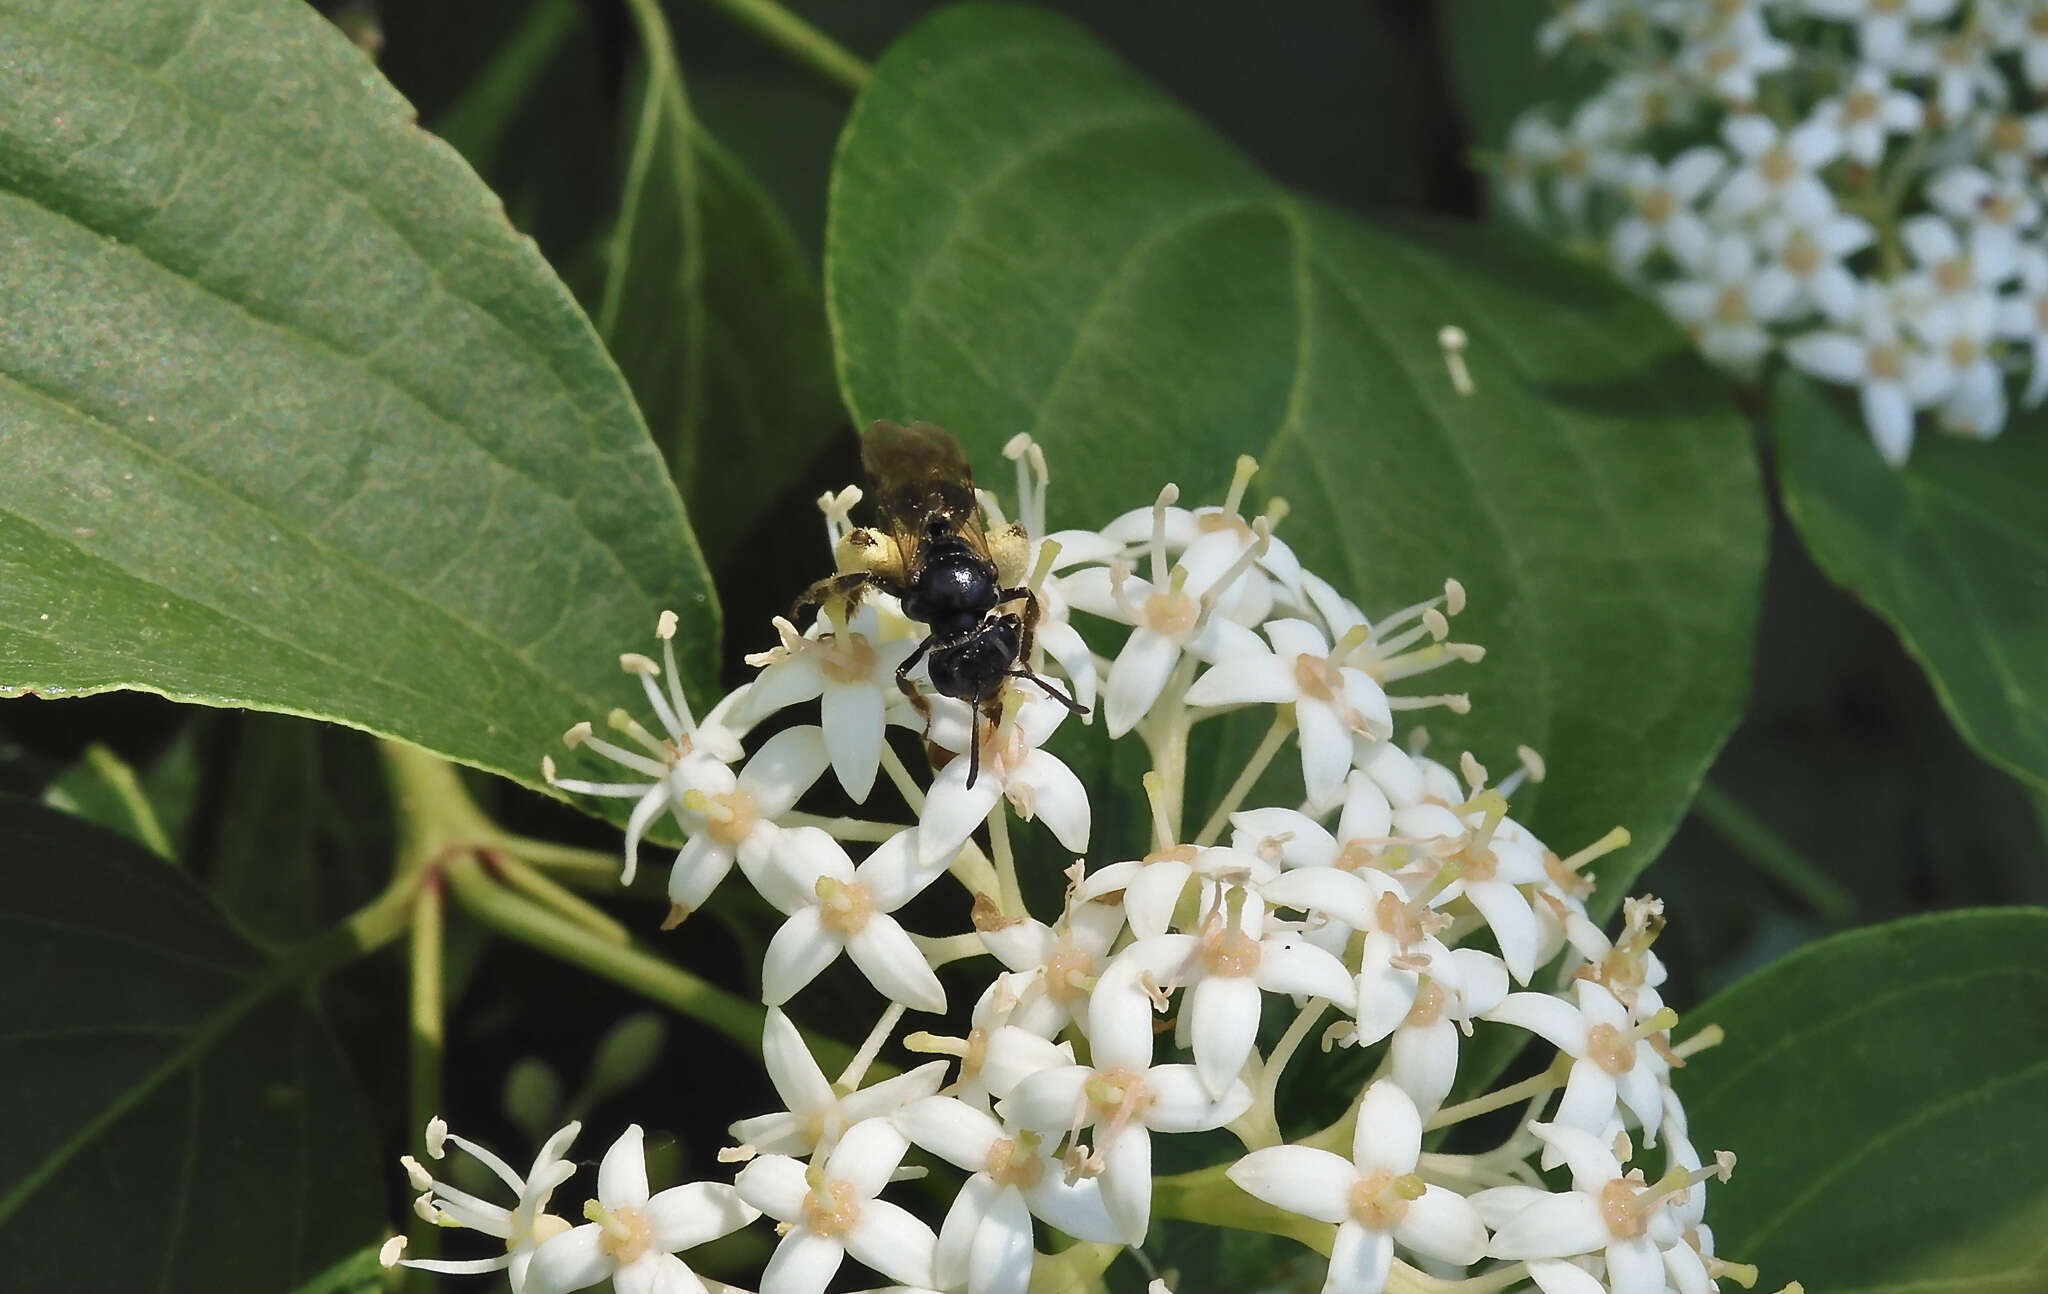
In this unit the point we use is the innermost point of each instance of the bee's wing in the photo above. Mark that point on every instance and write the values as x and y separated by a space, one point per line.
921 475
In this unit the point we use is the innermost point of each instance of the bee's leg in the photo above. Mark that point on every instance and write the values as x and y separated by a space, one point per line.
973 749
1051 689
918 700
849 586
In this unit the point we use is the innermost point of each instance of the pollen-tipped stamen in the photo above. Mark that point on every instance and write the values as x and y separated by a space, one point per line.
1169 494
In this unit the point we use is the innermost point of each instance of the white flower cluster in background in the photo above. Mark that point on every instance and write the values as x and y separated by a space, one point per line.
1853 183
1396 907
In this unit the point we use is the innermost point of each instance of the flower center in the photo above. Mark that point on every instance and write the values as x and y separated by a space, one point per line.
1861 105
1230 952
848 658
1610 1049
2041 312
1998 208
1429 1004
1777 166
1069 973
1406 925
2009 134
832 1209
844 906
1801 254
1574 161
975 1055
1177 854
1885 363
1355 854
1380 1199
1731 308
2037 22
1172 612
1618 1209
1962 351
625 1234
731 817
1317 677
1211 522
1118 1095
1657 206
1722 59
1012 1164
1953 275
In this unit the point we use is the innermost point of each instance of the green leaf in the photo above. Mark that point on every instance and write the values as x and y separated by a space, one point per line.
1951 549
305 833
102 789
711 311
296 421
1882 1092
1025 236
179 1118
359 1273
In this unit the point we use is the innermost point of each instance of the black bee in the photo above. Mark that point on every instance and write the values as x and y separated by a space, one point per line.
933 553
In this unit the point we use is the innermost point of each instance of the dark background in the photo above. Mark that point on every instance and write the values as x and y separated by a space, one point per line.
1844 752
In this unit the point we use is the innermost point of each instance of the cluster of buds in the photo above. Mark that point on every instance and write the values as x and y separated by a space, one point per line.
1395 906
1855 183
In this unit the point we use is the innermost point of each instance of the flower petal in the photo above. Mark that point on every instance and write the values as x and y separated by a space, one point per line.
1444 1226
1127 1181
622 1173
1299 1179
1223 1019
775 1185
1554 1020
1244 680
1555 1276
1389 1135
866 1156
1425 1062
1048 1100
853 726
569 1261
1325 752
1635 1267
1290 964
952 810
1057 797
1000 1260
956 1234
893 874
951 1129
891 1240
786 766
1181 1101
695 1213
893 964
1136 678
880 1100
804 1263
797 952
1359 1261
1552 1226
1513 924
1077 1210
803 1087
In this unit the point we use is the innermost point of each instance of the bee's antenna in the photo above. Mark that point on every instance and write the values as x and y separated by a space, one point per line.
1045 686
973 748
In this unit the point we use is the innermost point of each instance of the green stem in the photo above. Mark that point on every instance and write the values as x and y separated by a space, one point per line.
1500 1098
1077 1267
427 1036
1771 854
558 900
509 913
1009 894
476 122
1206 1195
1269 746
798 39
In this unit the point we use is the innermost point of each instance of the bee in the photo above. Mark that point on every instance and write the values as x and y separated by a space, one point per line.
933 553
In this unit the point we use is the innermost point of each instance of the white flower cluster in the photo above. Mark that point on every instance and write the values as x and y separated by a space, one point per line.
1398 894
1854 182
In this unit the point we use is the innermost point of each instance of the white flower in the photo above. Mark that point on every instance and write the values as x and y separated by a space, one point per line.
1333 702
522 1227
1726 309
1807 256
2032 38
1492 862
1961 67
1057 964
852 671
1375 1197
1996 210
1012 766
1181 528
731 817
835 907
1176 611
1625 967
1779 170
632 1237
1882 26
1729 62
1959 333
1533 148
832 1211
1663 199
817 1111
1893 378
1611 1055
985 1241
2023 317
1869 110
1125 1098
1225 968
996 1055
1151 886
1606 1211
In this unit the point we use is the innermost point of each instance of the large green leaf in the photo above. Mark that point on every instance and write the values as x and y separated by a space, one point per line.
1025 236
179 1118
711 311
1882 1091
294 419
1951 549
